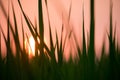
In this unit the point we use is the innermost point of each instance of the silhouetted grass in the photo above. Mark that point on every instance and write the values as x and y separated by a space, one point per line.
44 65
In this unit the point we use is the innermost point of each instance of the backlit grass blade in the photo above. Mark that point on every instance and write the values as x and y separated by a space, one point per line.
17 44
41 26
10 25
36 44
84 41
10 58
3 9
67 36
23 35
3 35
103 50
32 29
111 43
29 23
26 19
16 38
70 11
77 44
30 26
5 14
57 42
15 22
114 36
92 32
24 55
8 34
1 60
51 40
52 47
91 52
60 53
112 47
0 48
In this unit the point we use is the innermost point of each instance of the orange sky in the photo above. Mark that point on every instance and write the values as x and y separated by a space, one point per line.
58 7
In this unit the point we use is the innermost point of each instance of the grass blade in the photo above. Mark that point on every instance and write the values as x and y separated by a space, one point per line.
84 41
27 21
92 30
0 49
91 52
41 26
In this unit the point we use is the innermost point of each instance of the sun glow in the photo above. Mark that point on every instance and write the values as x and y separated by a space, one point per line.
30 46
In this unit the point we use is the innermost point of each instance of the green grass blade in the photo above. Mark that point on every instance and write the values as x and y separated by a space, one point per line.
91 52
3 35
57 42
16 37
15 22
76 42
68 35
36 44
111 45
50 32
60 54
41 26
51 40
24 54
10 57
92 32
0 49
70 11
8 32
103 50
23 35
27 21
52 48
84 41
111 41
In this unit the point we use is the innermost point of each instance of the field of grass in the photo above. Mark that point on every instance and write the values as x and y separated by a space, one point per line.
41 67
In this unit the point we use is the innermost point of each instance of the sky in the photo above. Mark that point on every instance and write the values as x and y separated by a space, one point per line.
58 13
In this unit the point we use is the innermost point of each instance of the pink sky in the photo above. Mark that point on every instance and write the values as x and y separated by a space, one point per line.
58 7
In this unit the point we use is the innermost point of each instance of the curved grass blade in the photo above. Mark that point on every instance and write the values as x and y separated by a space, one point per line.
26 19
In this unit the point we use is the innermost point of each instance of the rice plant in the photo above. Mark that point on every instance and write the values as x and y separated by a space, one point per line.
44 66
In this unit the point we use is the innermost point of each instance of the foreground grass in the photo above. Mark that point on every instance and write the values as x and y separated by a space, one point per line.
40 67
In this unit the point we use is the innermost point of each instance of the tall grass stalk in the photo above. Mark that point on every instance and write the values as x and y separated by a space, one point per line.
41 27
91 52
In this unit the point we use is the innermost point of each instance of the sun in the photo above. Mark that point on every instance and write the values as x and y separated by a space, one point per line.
30 46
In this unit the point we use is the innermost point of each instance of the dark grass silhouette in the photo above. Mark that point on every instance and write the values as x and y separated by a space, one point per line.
41 67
